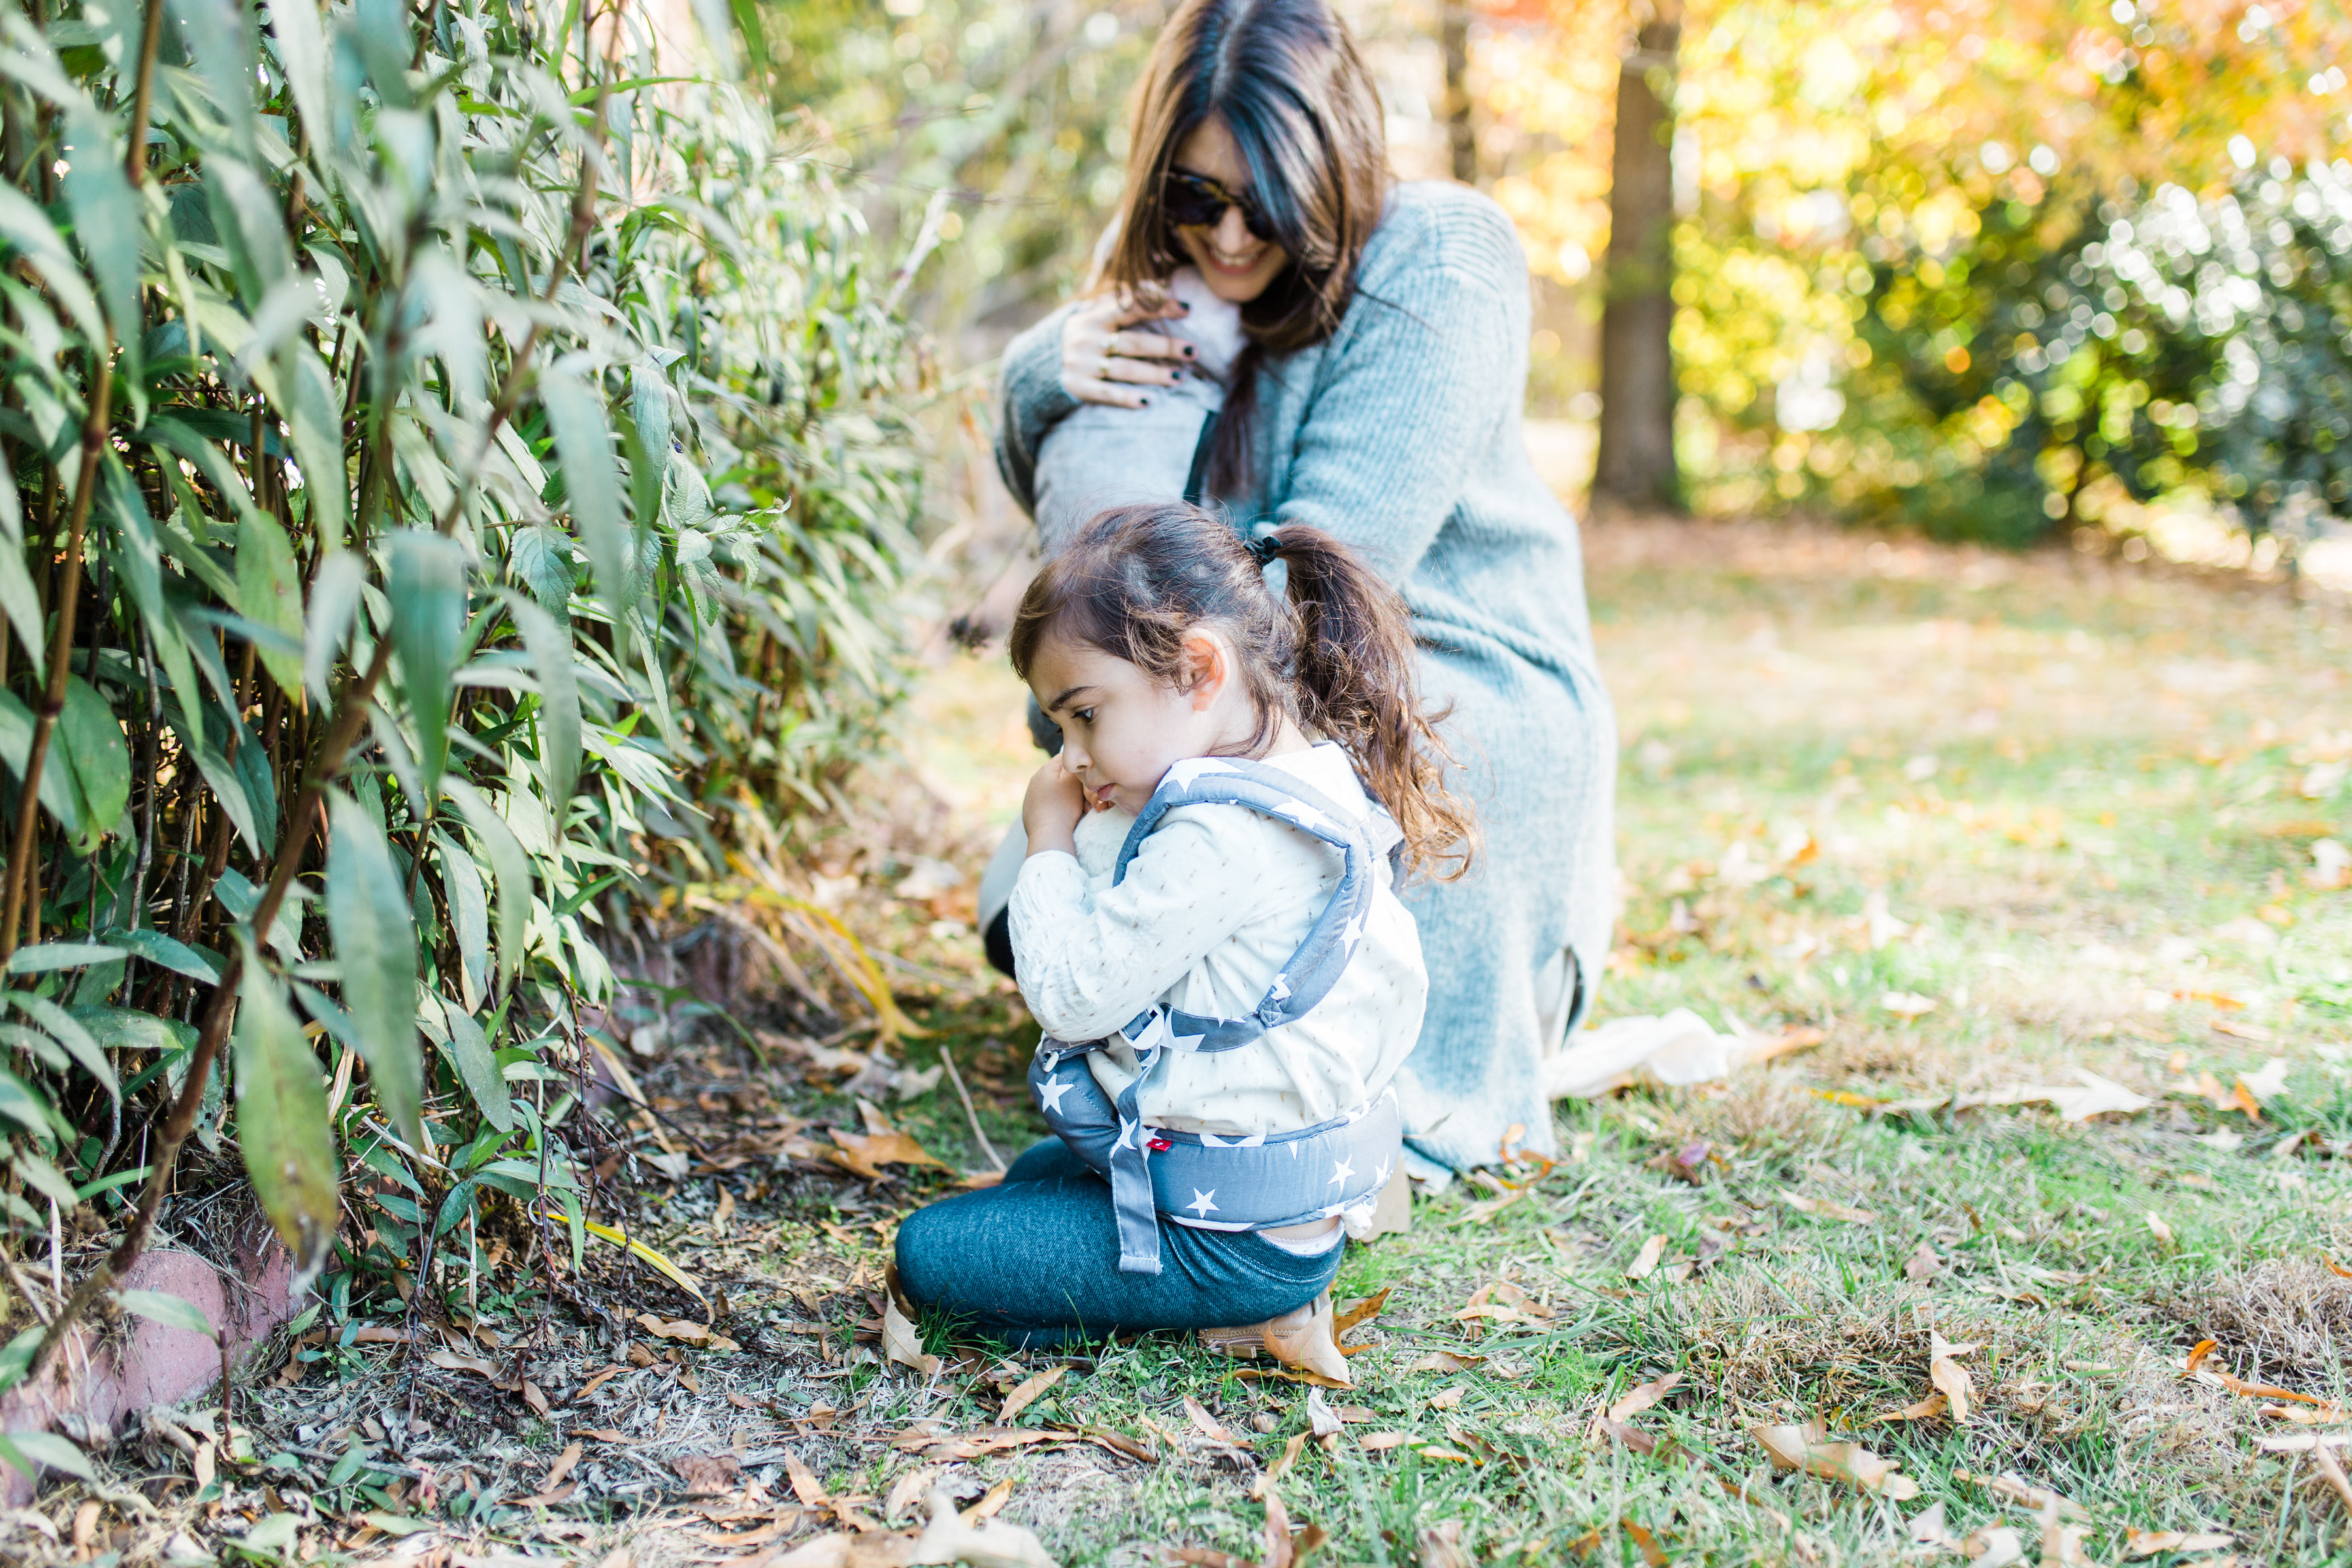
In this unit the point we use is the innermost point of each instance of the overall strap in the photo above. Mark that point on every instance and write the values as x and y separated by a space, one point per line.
1302 982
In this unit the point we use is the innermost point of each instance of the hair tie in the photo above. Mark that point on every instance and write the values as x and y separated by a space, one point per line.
1263 548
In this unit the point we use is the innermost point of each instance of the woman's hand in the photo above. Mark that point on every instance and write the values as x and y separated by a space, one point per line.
1051 810
1104 362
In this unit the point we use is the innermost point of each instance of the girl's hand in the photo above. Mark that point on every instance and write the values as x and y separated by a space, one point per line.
1102 362
1050 812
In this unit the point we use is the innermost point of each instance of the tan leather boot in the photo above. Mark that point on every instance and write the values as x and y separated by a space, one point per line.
1300 1339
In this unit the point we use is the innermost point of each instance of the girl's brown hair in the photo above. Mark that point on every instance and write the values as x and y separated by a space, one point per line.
1335 654
1284 77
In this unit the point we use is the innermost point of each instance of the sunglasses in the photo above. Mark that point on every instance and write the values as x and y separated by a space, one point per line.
1196 201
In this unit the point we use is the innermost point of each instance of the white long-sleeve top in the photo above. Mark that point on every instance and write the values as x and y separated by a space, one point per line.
1215 902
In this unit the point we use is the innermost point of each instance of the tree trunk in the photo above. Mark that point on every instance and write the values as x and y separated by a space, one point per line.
1453 38
1636 458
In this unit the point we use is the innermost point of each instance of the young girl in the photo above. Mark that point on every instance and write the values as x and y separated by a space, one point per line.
1207 930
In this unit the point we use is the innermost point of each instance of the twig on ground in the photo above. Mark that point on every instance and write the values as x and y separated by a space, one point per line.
955 1079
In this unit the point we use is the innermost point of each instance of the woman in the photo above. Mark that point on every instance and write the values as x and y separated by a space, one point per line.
1378 396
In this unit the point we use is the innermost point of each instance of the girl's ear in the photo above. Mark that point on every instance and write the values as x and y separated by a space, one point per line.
1204 670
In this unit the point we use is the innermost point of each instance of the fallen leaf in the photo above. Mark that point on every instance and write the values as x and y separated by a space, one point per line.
2156 1228
990 1502
1646 1544
1445 1399
2149 1542
1356 1415
597 1382
1021 1398
708 1475
804 1484
909 1489
1356 1312
1210 1428
451 1361
2331 1470
1906 1004
1276 1533
1380 1442
1440 1451
2062 1546
1948 1374
562 1468
902 1344
1645 1262
2238 1029
1447 1361
1926 1409
535 1399
2336 1268
1825 1209
1321 1419
865 1154
2197 1355
1928 1530
1995 1547
948 1539
741 1539
1807 1448
605 1435
2267 1084
1641 1397
1923 1266
1281 1466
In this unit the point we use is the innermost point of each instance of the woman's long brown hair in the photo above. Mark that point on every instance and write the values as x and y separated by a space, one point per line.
1335 653
1284 77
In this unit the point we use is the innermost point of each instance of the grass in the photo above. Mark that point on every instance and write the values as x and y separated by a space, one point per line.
2069 804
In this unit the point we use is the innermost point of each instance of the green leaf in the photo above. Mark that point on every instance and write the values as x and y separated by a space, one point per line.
301 46
376 938
165 953
540 558
28 1451
69 1032
90 741
315 412
269 593
47 1178
509 865
334 600
583 440
478 1066
25 226
22 1107
57 791
106 221
282 1127
161 1307
469 917
221 33
48 955
559 697
427 588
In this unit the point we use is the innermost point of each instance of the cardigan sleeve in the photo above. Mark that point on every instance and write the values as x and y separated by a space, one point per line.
1386 449
1030 401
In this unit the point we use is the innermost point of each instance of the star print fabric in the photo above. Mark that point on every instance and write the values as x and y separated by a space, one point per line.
1215 902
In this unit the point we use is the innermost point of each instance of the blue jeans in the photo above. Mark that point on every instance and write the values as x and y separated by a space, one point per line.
1033 1261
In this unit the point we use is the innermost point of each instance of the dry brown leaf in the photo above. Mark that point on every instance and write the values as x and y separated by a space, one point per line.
451 1361
990 1502
1807 1448
909 1489
1445 1398
535 1399
1021 1398
1923 1266
1440 1451
865 1154
2332 1468
1997 1546
994 1544
805 1486
1356 1312
2062 1546
1646 1544
605 1435
597 1382
562 1468
1278 1549
2158 1228
902 1344
1210 1428
2197 1355
1446 1360
2149 1542
1380 1442
1926 1409
1356 1415
708 1475
1640 1398
1645 1262
1948 1375
2318 1413
1321 1419
2095 1096
1823 1208
1281 1466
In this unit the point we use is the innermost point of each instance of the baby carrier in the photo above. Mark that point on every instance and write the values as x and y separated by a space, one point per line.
1265 1180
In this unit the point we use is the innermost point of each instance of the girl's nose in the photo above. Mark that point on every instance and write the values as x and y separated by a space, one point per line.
1233 236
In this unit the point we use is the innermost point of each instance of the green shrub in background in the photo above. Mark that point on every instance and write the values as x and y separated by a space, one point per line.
453 473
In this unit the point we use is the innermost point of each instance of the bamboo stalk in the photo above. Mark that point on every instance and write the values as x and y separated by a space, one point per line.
53 699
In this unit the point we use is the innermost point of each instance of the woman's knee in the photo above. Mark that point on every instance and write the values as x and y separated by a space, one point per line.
925 1250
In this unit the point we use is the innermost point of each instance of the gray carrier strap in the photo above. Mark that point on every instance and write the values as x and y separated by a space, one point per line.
1264 1179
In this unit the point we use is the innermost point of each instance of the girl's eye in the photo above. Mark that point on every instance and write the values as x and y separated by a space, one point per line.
1084 715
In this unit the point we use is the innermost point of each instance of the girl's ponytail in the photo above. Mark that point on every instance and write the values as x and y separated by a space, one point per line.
1355 681
1337 656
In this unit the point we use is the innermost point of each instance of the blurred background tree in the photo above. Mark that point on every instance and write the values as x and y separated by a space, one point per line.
1992 272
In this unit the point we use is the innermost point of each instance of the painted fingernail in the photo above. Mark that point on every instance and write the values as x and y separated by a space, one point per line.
1188 351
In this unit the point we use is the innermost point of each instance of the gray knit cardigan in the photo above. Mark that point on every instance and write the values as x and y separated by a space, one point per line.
1401 433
